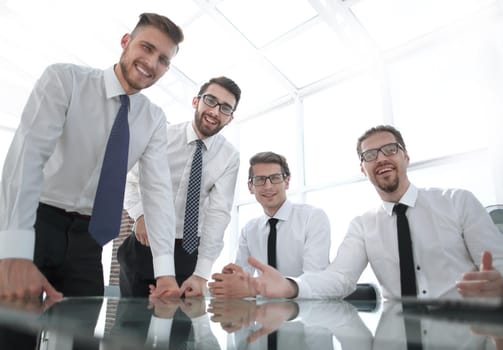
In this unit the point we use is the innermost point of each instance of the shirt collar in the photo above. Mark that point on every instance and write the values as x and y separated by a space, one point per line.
113 86
192 136
282 214
409 198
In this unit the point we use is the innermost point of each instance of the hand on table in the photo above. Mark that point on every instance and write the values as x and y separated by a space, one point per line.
20 278
233 282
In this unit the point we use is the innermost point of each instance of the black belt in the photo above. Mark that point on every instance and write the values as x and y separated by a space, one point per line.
179 241
71 214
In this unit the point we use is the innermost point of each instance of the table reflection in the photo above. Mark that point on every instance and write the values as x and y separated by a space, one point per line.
203 323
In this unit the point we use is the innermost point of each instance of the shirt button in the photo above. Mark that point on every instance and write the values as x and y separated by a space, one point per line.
424 292
418 267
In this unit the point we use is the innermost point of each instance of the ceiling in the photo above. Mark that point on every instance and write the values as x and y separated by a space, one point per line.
274 49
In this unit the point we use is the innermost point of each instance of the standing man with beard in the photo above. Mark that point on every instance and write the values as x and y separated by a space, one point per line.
54 165
56 186
450 230
214 107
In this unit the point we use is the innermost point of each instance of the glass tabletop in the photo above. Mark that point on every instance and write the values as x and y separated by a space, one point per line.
103 323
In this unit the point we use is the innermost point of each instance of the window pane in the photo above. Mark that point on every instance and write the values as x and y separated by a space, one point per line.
334 119
444 94
274 131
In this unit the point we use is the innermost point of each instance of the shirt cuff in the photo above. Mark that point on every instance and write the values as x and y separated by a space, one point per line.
164 265
203 267
159 330
17 244
136 211
304 290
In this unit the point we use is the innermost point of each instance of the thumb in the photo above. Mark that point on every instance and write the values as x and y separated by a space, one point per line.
51 292
486 261
257 264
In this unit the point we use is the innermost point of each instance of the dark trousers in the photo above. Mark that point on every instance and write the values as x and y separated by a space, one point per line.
136 268
70 259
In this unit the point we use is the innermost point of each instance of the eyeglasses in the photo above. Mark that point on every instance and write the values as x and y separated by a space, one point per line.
261 180
211 101
388 150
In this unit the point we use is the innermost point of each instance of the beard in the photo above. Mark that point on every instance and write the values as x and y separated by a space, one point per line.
389 186
203 129
126 73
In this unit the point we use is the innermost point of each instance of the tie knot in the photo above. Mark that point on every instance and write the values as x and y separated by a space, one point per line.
199 144
273 222
400 209
124 100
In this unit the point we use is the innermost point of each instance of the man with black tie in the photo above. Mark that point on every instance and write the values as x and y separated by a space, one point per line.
203 166
450 234
293 237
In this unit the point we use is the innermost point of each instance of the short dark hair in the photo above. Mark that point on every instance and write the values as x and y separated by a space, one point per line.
377 129
164 24
268 157
227 84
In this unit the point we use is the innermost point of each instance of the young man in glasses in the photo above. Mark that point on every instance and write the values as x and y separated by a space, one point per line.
450 230
214 107
301 231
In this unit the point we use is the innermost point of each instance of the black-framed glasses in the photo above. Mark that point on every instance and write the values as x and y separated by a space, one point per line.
212 101
388 150
261 180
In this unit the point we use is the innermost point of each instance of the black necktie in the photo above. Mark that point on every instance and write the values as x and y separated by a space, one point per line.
191 223
271 243
272 338
407 275
407 271
181 336
108 202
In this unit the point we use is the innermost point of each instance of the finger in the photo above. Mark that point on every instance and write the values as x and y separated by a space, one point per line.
480 276
218 276
487 261
231 268
257 264
51 292
193 293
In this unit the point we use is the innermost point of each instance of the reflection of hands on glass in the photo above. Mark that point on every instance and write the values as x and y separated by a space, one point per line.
495 332
487 282
233 314
233 282
193 307
271 316
165 307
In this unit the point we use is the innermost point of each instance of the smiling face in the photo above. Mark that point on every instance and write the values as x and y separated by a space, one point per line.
270 196
388 174
208 121
145 58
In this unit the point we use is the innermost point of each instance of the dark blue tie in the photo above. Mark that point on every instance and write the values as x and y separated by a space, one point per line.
191 222
108 202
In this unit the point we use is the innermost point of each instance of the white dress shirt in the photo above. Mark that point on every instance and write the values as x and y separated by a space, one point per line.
220 170
302 240
57 153
449 230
